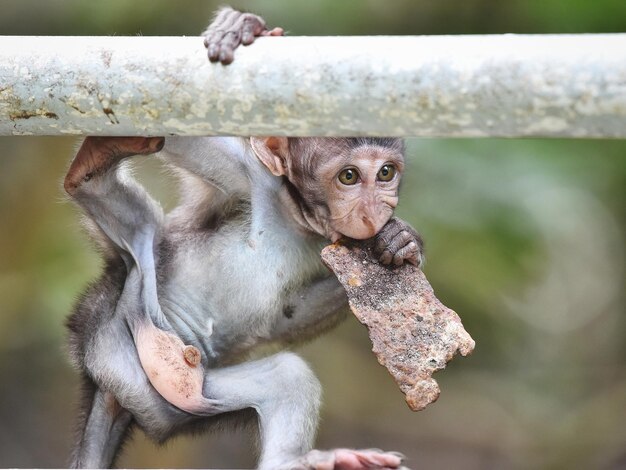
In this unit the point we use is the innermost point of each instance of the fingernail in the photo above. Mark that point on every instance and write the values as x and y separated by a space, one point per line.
226 57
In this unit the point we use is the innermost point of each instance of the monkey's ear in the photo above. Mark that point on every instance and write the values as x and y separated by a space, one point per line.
273 153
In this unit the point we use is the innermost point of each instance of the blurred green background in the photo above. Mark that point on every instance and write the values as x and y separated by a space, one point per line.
525 240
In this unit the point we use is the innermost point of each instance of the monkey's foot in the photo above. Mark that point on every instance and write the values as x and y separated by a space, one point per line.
98 154
232 28
349 459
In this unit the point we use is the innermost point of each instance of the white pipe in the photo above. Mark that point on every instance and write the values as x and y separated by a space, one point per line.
445 86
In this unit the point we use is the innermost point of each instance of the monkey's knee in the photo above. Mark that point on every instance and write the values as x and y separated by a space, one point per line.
295 382
98 154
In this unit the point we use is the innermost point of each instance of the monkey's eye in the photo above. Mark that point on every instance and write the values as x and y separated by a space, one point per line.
349 176
386 173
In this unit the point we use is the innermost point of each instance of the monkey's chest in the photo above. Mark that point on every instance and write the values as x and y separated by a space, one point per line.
228 290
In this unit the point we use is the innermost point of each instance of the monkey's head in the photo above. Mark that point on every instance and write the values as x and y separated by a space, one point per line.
341 186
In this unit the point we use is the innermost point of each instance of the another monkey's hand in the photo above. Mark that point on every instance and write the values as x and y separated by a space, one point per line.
231 28
398 242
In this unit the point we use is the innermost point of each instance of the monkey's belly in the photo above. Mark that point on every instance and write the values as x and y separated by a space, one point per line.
173 369
221 308
225 291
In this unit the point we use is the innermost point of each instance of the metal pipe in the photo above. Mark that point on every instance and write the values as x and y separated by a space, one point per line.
436 86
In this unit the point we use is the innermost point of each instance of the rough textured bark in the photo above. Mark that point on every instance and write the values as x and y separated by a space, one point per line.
412 332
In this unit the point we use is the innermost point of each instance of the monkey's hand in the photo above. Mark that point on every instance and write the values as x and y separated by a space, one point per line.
231 28
398 242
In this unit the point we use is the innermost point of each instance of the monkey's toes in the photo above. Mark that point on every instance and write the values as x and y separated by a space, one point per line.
124 147
350 459
98 154
232 29
277 31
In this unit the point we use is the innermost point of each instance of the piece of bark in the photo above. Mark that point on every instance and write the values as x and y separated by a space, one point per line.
412 332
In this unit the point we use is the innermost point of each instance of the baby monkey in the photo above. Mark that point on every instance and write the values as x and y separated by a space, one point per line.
163 336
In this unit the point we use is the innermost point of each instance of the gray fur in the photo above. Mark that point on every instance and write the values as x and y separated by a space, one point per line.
227 264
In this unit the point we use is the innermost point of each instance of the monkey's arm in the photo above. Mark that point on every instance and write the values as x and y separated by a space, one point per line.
313 309
222 162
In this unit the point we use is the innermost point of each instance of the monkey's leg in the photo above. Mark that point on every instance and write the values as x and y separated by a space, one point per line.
98 155
131 221
105 424
219 161
120 207
286 395
125 213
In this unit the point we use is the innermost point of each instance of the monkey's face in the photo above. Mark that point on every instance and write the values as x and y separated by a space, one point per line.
361 189
346 186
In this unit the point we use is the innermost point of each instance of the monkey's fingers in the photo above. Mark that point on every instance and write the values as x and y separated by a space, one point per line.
398 242
214 34
252 26
392 237
409 253
230 29
227 46
224 18
243 31
394 240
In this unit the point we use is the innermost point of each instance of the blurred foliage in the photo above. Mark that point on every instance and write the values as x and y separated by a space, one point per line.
525 239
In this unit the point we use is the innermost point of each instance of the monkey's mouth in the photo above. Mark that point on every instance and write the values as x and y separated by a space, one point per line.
361 228
361 221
